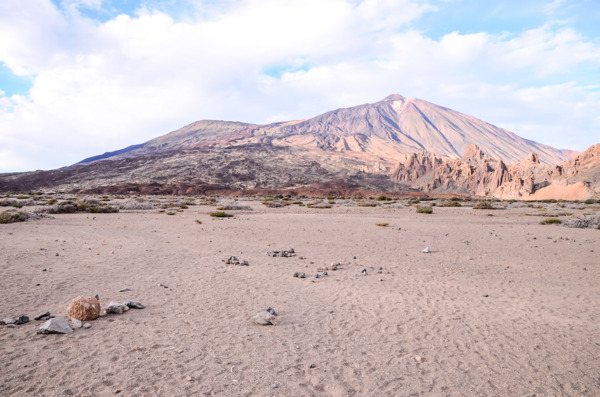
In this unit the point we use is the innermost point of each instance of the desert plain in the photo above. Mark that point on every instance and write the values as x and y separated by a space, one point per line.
502 305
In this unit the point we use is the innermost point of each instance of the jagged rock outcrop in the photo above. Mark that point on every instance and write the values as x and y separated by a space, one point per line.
478 174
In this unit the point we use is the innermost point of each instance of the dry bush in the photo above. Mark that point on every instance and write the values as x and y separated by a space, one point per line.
583 222
11 216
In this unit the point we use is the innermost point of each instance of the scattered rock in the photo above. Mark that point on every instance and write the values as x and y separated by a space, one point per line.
419 359
84 308
299 275
87 325
76 323
8 321
364 271
485 295
42 316
116 308
271 310
282 253
23 319
162 285
316 275
264 317
133 304
274 386
56 325
312 366
323 274
426 250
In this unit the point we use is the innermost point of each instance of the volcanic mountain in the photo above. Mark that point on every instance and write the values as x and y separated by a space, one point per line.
350 149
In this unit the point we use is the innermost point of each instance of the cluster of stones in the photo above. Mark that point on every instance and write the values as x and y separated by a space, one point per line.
282 253
80 310
232 260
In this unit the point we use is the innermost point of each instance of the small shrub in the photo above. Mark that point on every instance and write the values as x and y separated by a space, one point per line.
383 224
590 201
170 212
221 208
220 214
550 221
11 216
381 198
366 204
423 209
452 204
484 205
52 201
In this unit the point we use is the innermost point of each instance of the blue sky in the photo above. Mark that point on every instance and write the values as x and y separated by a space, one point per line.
82 77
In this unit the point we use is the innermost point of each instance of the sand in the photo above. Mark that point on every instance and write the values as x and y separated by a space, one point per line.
502 306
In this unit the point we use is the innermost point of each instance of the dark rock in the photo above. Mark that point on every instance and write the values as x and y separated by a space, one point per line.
485 295
271 310
299 275
116 308
312 366
41 316
133 304
56 325
23 319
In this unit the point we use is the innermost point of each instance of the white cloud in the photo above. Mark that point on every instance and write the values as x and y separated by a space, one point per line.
103 86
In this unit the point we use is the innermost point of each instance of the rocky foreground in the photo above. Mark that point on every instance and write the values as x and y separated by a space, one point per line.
459 301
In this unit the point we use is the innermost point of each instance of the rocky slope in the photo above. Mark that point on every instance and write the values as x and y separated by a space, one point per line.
476 173
374 134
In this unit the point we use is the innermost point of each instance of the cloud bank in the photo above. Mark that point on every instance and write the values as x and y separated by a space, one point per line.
103 80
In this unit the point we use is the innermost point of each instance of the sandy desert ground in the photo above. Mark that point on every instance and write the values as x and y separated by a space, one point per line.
502 306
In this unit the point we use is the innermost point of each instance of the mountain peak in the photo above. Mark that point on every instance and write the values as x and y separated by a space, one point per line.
393 97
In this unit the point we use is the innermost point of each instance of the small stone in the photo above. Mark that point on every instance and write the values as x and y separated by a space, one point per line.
75 323
8 321
312 366
189 378
426 250
56 325
41 316
299 275
133 304
125 290
271 310
316 275
87 325
244 263
44 270
364 271
324 274
23 319
380 279
419 359
485 295
116 308
274 386
264 318
162 285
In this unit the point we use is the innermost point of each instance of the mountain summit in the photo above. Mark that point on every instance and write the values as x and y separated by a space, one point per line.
374 133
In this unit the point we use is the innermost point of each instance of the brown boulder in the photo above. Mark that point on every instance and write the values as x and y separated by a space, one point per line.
84 308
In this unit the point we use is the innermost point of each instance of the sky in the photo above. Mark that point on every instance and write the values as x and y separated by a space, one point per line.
82 77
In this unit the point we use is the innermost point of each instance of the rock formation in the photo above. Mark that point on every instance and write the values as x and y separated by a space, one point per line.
478 174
